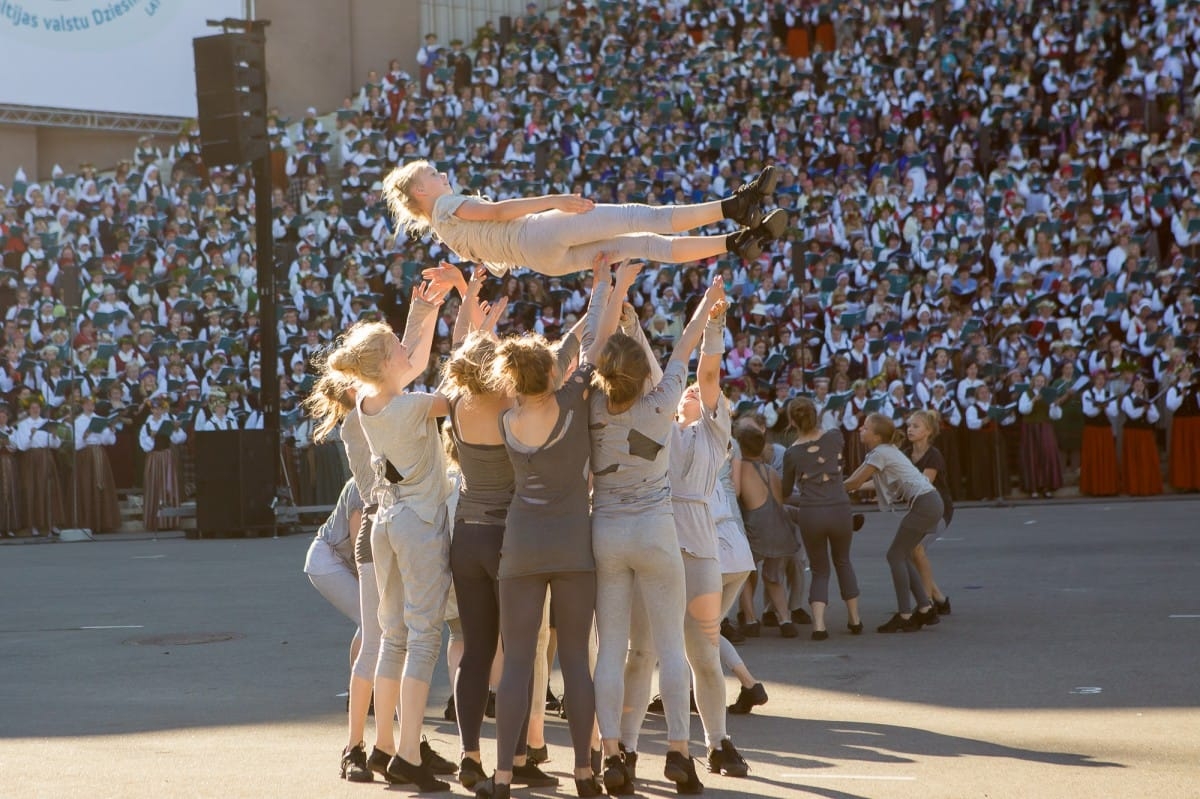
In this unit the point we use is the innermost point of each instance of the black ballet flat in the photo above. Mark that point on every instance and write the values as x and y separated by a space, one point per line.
490 789
855 629
470 773
588 787
820 635
681 770
943 607
420 775
898 623
617 779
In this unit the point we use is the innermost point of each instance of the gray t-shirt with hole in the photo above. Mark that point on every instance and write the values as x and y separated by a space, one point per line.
813 470
631 450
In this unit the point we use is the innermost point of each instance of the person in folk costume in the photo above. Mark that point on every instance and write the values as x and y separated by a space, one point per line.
10 486
161 480
1098 459
218 416
949 436
1041 472
1183 400
1141 470
852 419
39 472
95 487
986 474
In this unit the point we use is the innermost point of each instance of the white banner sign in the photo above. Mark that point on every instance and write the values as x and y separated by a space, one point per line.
132 56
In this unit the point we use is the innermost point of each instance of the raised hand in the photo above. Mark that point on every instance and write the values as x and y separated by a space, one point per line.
601 270
627 275
573 204
715 292
430 292
447 275
718 310
493 313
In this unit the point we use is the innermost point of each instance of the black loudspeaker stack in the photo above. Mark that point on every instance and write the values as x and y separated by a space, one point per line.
232 495
231 97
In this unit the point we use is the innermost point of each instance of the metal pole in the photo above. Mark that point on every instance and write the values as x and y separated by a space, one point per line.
268 332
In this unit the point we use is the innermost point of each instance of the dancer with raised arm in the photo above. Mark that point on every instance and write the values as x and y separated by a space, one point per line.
634 535
560 234
548 538
410 541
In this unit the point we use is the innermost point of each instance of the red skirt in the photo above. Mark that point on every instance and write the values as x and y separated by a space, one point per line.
1098 462
1185 453
1141 472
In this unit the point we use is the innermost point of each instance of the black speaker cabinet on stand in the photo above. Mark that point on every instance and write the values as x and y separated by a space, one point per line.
234 482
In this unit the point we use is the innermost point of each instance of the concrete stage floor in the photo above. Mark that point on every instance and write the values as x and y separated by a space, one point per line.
1068 669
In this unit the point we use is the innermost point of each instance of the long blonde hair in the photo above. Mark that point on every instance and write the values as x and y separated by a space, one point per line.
397 192
328 404
361 354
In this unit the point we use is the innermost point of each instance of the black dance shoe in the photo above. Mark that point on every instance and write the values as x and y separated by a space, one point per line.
470 773
731 633
748 698
898 623
800 616
943 607
681 770
378 763
728 761
490 789
354 765
744 206
927 618
421 776
788 630
437 764
537 755
820 635
617 779
529 774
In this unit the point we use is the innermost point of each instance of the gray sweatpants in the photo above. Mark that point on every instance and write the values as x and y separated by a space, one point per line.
557 243
922 518
412 566
702 576
639 551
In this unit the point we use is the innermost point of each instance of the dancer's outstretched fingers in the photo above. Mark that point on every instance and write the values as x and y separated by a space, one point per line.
574 204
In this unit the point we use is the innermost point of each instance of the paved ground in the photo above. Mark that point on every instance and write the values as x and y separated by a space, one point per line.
1069 668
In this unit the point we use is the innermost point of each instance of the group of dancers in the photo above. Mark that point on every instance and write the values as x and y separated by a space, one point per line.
592 483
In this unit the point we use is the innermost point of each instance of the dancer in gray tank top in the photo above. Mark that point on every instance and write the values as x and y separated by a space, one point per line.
768 528
548 537
484 494
633 529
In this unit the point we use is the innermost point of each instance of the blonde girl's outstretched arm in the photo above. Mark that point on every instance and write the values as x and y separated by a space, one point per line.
507 210
426 299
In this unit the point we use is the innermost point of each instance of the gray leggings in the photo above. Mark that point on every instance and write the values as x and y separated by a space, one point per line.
701 639
558 243
642 551
412 565
826 530
731 589
922 519
522 600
